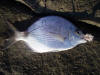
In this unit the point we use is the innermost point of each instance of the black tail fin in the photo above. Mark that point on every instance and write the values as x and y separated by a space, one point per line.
8 43
11 26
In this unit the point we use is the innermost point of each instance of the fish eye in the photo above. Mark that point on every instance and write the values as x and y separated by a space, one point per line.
78 32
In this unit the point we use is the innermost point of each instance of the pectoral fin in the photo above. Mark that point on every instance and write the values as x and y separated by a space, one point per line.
58 36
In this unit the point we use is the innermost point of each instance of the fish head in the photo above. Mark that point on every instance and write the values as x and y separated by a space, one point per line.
77 37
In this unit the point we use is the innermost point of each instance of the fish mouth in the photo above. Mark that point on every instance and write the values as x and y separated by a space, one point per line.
88 37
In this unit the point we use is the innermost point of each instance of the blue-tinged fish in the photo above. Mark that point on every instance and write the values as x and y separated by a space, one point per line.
52 34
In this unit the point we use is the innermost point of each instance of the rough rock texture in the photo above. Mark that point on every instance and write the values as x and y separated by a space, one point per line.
42 6
19 60
87 11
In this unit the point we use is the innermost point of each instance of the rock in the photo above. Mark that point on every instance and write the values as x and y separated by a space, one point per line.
18 60
83 10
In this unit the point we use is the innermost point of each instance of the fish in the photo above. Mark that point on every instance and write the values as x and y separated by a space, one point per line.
52 34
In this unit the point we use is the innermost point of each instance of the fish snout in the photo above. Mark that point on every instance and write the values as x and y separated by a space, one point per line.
88 37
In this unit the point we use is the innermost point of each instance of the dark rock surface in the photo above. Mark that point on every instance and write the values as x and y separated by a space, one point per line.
87 11
19 60
48 6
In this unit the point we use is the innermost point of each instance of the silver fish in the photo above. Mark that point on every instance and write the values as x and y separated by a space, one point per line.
52 34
